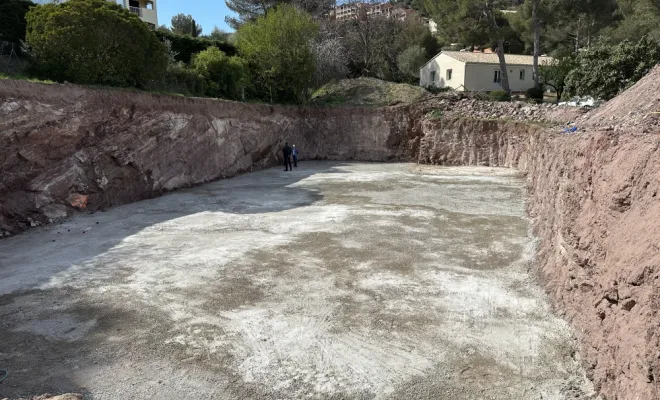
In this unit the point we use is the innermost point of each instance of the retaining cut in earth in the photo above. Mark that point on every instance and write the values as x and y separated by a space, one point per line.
593 195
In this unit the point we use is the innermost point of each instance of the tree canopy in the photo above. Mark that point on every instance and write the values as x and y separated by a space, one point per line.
94 42
476 22
277 47
226 76
604 71
185 25
250 10
12 19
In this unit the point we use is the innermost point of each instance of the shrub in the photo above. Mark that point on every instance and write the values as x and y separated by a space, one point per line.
225 76
535 94
185 46
499 95
93 42
436 90
411 60
434 115
180 79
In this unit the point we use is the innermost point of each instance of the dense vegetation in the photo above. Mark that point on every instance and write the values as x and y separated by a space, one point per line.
283 50
93 42
12 19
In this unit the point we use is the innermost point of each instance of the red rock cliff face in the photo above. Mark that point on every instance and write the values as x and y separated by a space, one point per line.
115 147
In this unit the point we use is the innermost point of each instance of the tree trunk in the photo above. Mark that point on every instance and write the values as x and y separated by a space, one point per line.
537 41
504 71
489 12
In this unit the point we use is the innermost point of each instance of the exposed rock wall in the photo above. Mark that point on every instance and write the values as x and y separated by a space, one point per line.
594 196
67 145
468 141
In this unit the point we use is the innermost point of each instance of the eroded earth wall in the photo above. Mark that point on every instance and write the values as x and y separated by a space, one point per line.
593 195
595 200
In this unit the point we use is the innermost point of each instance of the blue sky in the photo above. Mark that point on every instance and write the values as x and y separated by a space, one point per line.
207 13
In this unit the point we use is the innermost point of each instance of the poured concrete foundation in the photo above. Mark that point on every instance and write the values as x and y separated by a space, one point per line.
335 281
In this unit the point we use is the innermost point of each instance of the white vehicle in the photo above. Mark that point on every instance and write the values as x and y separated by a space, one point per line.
586 101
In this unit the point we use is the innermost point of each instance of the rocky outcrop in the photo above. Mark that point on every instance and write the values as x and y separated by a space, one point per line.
67 147
472 141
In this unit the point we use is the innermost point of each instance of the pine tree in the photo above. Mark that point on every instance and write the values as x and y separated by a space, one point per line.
185 25
474 22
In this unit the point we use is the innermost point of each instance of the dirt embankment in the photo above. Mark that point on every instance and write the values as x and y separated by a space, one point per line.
593 195
596 204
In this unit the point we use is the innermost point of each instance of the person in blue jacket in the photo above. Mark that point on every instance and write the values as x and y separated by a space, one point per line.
295 156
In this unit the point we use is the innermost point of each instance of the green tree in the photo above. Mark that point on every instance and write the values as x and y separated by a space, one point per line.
226 76
475 22
12 19
554 74
185 45
637 18
93 42
250 10
411 60
414 32
576 25
604 71
247 10
185 25
219 34
277 46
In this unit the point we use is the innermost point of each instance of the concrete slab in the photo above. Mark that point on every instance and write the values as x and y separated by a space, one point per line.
335 281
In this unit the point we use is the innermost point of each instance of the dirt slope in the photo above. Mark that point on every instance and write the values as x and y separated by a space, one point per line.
596 204
637 110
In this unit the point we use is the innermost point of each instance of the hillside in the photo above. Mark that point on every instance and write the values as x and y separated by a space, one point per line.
368 92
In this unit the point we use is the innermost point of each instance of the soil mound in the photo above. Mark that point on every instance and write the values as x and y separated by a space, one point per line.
368 92
637 107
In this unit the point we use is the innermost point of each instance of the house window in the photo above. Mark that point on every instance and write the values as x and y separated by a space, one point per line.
498 77
432 76
449 71
522 74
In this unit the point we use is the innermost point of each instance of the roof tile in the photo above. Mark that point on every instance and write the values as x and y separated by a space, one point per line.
491 58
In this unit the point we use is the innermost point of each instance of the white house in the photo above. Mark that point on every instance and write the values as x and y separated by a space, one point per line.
467 71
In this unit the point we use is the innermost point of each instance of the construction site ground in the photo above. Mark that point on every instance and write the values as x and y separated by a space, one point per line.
334 281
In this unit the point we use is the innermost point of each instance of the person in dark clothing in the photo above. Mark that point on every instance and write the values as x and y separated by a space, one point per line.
295 156
286 152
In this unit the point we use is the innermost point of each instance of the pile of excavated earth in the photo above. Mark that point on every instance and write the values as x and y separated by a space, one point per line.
592 196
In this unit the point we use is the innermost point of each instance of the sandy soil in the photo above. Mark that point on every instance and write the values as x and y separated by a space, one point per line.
336 281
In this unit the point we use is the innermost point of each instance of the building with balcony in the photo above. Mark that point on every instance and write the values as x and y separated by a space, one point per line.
145 9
